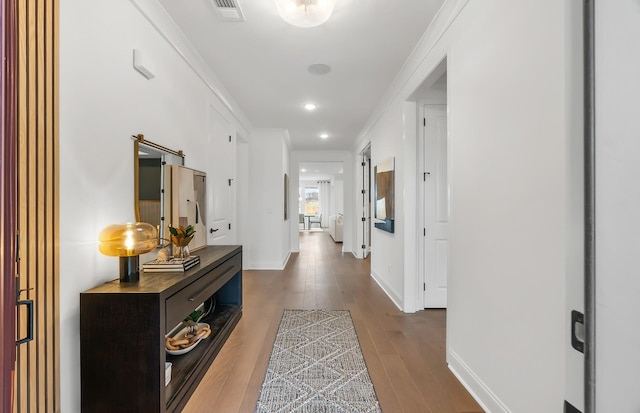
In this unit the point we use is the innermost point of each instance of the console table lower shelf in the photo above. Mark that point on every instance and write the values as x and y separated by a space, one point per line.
188 369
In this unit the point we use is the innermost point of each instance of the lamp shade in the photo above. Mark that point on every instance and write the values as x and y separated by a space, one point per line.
126 240
305 13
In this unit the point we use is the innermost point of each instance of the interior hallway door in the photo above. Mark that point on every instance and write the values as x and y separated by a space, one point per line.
436 206
221 174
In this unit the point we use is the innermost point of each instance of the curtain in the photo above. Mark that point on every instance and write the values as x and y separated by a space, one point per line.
324 195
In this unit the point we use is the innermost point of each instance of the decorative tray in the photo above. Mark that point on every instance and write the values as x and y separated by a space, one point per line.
187 339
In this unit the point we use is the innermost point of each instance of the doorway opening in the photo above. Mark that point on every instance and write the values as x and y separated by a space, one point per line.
321 197
433 187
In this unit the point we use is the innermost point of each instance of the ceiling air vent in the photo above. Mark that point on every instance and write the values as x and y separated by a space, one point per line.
229 10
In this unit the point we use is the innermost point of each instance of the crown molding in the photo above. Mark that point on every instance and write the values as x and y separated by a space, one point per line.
413 65
153 11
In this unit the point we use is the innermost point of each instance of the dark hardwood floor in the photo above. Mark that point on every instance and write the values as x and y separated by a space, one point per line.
405 353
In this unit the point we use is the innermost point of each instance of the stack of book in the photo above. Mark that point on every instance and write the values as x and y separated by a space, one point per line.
172 265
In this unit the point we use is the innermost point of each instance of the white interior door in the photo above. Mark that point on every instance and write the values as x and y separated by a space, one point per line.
221 175
436 206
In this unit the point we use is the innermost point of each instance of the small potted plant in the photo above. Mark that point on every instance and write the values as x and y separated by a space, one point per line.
181 237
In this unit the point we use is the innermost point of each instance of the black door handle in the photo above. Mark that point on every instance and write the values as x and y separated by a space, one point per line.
211 230
577 330
29 337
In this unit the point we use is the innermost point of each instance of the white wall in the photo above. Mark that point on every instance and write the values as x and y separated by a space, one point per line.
508 188
509 207
617 206
103 101
387 249
337 195
242 195
268 247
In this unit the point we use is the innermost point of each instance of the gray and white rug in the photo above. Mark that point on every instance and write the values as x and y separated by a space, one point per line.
316 365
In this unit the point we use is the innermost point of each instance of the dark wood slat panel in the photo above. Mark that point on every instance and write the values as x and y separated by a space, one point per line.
21 400
37 380
8 196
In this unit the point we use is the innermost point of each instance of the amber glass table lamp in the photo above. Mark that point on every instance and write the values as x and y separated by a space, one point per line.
128 241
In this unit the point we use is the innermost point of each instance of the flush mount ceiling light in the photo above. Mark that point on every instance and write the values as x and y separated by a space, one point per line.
324 135
305 13
310 106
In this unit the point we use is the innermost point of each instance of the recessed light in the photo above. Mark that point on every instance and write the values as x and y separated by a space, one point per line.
324 135
303 170
310 106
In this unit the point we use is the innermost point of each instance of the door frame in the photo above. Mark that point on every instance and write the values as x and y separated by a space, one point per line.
428 98
365 218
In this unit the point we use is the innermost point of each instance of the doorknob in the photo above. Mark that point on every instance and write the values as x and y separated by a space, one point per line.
211 230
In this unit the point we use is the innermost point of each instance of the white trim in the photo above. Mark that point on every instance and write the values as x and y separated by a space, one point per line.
489 402
269 265
387 290
411 289
438 27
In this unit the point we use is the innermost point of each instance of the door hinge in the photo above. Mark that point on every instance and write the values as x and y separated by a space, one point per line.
424 286
424 232
424 121
229 138
230 181
424 176
229 226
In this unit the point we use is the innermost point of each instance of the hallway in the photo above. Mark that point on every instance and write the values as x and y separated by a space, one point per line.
404 352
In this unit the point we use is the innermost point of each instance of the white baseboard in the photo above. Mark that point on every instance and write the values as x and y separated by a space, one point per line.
387 290
489 402
269 265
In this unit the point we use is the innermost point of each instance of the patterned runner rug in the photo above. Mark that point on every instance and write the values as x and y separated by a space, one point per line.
316 365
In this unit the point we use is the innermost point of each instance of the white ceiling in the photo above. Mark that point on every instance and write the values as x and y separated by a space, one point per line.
263 62
320 171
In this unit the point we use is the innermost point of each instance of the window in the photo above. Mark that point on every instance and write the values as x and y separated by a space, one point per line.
311 204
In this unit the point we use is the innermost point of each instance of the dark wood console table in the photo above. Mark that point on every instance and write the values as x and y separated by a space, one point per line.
123 328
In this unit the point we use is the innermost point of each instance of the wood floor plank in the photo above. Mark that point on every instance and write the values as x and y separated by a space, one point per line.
405 353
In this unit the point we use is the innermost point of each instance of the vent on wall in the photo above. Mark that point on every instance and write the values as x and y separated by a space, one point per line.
229 10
